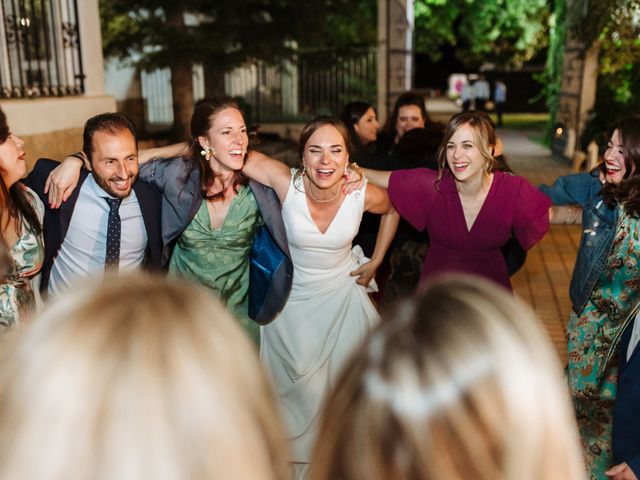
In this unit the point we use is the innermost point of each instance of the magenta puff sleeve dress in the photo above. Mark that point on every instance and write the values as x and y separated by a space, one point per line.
513 206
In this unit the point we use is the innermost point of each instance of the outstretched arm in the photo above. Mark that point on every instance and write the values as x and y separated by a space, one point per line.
181 149
567 215
377 201
64 178
379 178
268 171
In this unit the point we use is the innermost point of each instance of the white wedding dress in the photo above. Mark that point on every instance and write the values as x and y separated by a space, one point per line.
325 318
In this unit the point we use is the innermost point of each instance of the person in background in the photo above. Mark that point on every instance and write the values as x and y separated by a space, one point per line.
458 382
21 214
482 92
500 98
137 378
409 112
361 121
625 443
408 140
603 286
468 96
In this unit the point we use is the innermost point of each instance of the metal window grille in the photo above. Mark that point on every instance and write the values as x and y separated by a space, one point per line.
315 82
40 52
328 80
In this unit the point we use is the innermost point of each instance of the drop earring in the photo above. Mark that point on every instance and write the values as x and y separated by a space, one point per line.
207 152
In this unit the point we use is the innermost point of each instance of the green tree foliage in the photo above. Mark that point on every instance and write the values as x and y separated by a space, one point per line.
551 78
224 34
505 32
615 26
230 33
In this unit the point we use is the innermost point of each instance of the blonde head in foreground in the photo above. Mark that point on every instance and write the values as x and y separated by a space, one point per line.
137 378
458 383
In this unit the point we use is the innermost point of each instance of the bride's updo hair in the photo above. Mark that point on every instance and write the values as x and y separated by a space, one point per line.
319 122
459 382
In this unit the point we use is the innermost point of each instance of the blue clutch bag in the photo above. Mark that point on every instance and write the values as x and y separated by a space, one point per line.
264 261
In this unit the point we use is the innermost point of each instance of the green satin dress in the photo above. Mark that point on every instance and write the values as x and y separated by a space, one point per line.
219 258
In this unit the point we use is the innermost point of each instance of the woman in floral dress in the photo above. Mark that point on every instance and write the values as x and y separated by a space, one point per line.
21 226
605 286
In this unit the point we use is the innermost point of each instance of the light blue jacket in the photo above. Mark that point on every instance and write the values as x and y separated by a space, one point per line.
179 182
599 226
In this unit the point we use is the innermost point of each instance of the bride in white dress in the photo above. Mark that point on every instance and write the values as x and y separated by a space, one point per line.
328 312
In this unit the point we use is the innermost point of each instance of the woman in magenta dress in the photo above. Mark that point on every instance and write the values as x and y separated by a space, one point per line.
468 210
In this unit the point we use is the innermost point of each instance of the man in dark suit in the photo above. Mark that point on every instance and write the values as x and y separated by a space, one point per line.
111 220
626 413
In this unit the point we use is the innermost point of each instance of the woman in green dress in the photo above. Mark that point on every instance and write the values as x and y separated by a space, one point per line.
212 212
605 286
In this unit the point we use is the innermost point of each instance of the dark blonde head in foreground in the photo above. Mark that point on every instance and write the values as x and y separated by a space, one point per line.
137 378
458 383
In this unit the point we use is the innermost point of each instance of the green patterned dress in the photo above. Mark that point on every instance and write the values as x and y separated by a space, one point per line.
219 258
17 298
593 340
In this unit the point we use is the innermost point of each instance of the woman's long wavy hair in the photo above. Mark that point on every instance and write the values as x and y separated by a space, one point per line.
203 115
628 190
13 198
484 134
458 382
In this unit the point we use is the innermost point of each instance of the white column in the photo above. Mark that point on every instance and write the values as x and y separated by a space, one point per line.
382 59
91 45
395 51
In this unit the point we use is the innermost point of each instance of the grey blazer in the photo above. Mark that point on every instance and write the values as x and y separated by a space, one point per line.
179 182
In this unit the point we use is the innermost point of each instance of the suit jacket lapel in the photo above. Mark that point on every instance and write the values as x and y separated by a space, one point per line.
192 188
146 207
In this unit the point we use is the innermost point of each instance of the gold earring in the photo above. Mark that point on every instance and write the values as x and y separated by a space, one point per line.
207 152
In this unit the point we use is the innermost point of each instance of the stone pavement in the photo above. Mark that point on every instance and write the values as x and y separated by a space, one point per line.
543 281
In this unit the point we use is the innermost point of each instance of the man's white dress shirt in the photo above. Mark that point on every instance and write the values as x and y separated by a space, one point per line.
82 252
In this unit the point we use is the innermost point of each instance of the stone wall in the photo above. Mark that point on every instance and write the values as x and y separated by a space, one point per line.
55 145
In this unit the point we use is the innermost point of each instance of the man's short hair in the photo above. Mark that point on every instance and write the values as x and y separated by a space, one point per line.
112 122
